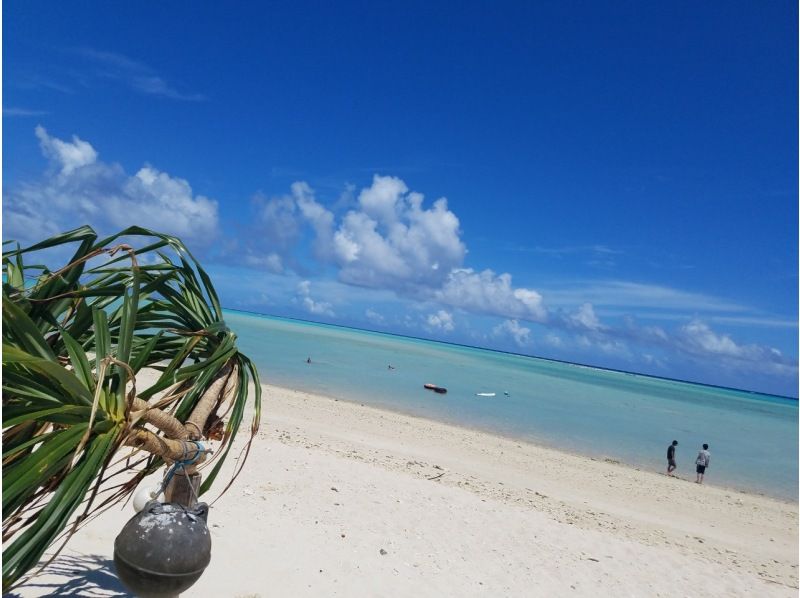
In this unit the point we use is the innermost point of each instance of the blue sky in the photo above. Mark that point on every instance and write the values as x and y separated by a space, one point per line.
608 183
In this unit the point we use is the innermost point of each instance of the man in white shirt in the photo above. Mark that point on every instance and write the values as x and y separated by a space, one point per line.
703 460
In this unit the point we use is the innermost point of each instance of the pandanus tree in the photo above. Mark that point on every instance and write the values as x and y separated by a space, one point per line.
79 433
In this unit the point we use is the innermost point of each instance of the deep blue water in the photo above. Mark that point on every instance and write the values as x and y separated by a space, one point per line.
600 413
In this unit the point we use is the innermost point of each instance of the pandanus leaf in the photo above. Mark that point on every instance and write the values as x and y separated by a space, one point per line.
73 335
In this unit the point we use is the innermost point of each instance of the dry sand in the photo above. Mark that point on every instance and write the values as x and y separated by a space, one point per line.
340 499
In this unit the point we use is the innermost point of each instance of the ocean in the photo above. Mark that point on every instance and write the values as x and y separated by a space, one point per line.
599 413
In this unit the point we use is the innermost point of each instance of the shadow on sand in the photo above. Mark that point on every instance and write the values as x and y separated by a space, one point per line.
74 575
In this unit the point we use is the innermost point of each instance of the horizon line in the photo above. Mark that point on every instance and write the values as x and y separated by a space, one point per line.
562 361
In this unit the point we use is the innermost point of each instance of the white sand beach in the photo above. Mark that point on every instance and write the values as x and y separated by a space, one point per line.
340 499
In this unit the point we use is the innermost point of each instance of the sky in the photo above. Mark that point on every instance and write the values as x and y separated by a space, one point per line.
609 183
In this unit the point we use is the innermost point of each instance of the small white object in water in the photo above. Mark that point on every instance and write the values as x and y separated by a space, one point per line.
143 496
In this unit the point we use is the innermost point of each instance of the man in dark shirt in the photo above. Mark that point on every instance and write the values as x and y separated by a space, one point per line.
671 457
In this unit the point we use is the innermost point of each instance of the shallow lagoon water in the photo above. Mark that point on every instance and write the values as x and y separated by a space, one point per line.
599 413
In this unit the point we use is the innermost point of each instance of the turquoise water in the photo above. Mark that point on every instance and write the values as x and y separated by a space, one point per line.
627 417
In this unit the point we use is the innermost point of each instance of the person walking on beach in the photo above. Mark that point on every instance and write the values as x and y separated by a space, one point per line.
671 465
703 460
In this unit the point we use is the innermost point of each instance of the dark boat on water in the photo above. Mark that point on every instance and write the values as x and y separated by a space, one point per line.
441 390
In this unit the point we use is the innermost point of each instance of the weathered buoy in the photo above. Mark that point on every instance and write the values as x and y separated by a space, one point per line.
163 549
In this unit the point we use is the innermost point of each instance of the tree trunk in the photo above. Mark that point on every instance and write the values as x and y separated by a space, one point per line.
183 489
195 424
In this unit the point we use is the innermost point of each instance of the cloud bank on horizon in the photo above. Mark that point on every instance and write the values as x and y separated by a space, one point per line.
405 255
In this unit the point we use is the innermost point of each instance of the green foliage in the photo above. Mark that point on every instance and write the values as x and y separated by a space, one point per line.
71 339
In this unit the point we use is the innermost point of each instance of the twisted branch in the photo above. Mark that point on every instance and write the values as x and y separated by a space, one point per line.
173 447
167 448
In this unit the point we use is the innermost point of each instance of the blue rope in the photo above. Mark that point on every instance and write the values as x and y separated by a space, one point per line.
182 463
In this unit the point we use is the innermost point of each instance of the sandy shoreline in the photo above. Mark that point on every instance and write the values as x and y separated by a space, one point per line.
343 499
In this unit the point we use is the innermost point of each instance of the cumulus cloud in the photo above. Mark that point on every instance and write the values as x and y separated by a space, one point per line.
695 341
488 293
441 320
161 201
386 237
391 241
311 306
380 201
512 328
697 337
320 218
68 156
699 341
388 240
585 318
81 189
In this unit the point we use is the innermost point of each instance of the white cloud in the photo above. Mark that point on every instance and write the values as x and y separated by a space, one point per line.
441 320
271 262
698 340
635 296
585 318
311 306
593 343
515 330
654 361
318 307
304 287
553 340
156 200
23 112
320 218
136 75
382 200
277 220
155 85
83 190
769 322
68 155
279 226
613 347
393 242
697 337
492 294
388 241
374 317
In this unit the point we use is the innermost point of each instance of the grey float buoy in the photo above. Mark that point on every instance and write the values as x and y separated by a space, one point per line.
163 549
